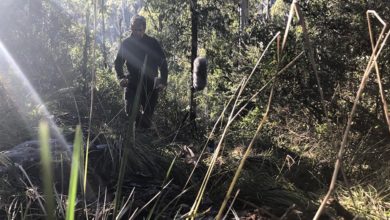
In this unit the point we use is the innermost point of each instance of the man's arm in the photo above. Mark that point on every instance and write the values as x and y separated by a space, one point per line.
119 62
164 71
162 64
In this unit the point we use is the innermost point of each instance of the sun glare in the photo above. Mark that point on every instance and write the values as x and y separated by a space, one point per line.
20 89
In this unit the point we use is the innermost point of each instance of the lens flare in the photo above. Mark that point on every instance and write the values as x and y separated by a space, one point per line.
20 88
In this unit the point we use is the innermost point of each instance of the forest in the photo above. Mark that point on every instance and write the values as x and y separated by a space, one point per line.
289 119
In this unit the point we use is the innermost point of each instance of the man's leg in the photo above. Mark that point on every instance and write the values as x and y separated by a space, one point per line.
128 105
149 105
129 101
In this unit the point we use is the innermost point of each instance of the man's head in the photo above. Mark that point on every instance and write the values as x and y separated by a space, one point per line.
138 26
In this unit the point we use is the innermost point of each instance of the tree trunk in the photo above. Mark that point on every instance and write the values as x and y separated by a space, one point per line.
87 43
244 14
194 49
268 10
103 10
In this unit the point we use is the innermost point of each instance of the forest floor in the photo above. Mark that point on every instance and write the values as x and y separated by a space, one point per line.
275 183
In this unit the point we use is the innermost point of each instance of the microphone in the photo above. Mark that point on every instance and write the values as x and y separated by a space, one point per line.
199 73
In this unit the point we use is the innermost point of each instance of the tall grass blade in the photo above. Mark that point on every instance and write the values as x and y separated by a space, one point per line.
170 202
97 205
210 136
137 212
232 117
60 206
375 53
165 180
84 185
268 83
199 197
240 110
290 17
202 189
93 83
247 152
125 207
47 172
104 204
378 75
231 205
308 47
74 175
128 144
33 187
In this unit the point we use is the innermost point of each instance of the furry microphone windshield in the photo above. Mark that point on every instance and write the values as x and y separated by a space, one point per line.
200 73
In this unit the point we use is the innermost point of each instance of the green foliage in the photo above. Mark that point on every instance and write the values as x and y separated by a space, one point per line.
74 175
366 201
279 11
47 172
58 47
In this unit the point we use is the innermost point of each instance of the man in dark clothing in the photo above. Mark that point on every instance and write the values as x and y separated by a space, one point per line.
134 51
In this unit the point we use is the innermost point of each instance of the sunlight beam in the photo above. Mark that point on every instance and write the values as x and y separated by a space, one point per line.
12 73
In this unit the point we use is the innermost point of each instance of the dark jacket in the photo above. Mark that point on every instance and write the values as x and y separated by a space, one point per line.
132 52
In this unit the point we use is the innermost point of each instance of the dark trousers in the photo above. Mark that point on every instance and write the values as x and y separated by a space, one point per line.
147 102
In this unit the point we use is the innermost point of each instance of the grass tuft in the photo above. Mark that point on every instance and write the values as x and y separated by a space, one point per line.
74 175
367 201
47 172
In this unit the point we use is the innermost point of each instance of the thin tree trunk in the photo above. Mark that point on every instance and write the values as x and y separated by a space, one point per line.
103 10
87 44
268 9
244 14
194 49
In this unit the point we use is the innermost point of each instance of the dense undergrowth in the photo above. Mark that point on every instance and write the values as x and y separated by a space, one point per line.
289 168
